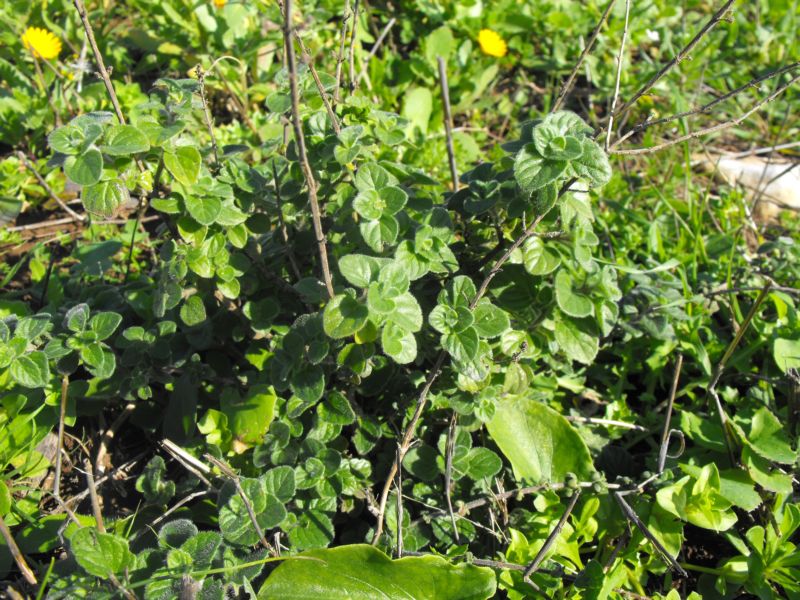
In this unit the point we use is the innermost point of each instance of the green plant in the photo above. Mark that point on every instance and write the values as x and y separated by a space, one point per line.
305 341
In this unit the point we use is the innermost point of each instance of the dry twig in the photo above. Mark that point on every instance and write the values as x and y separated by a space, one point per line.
50 192
620 56
98 513
346 15
711 129
448 123
301 148
570 81
448 472
680 57
26 571
548 543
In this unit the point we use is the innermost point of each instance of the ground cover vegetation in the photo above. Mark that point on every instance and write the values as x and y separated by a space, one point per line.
396 299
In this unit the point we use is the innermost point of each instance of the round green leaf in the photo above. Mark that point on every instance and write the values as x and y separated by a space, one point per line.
86 168
193 311
123 140
103 199
343 316
204 210
183 164
571 302
577 339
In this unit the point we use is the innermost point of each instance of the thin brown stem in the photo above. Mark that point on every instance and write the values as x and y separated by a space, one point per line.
301 149
346 15
551 539
680 57
201 79
50 192
567 87
305 56
98 57
632 516
62 414
665 435
708 130
374 50
399 506
448 123
98 513
352 52
706 108
234 478
620 57
448 472
108 437
16 553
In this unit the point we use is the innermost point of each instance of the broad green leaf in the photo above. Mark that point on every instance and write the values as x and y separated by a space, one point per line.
786 353
577 339
371 176
418 106
279 102
77 318
104 324
490 321
183 164
98 359
482 462
359 269
393 199
30 328
249 417
86 168
68 139
204 210
571 302
234 518
122 140
538 258
280 483
308 383
314 529
100 554
462 346
398 343
533 172
735 486
768 439
544 199
5 499
336 409
31 370
343 316
103 199
593 164
193 311
380 233
541 445
407 314
362 572
369 205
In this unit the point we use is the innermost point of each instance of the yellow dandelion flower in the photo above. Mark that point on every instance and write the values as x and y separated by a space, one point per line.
220 3
491 43
42 43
